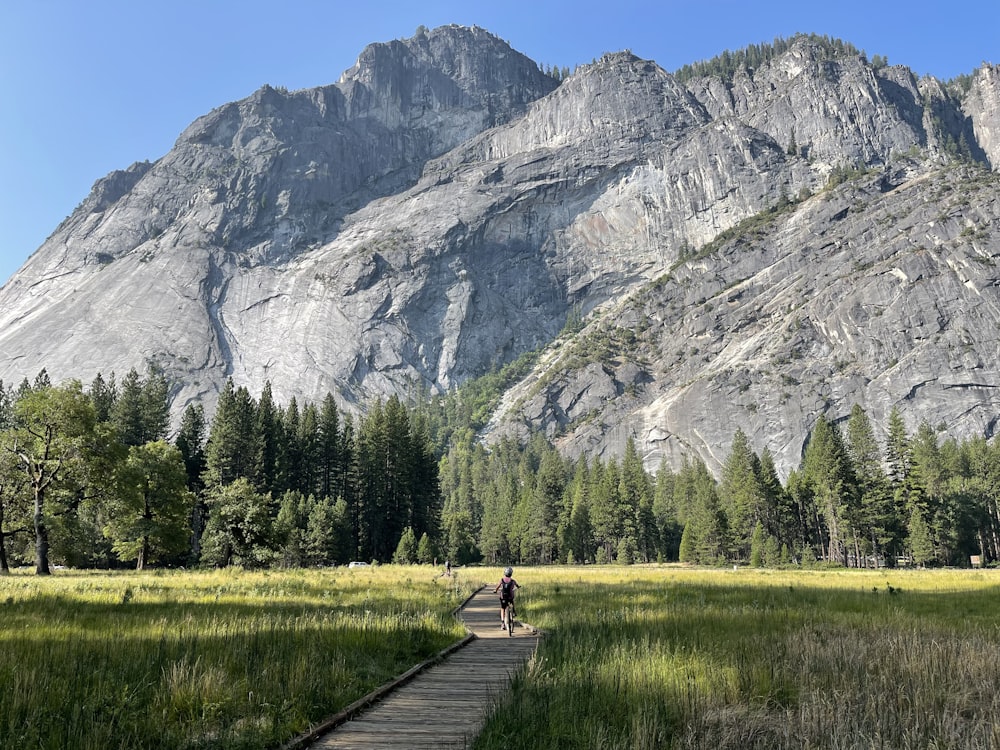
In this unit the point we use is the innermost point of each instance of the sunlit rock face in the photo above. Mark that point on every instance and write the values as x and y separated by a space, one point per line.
445 207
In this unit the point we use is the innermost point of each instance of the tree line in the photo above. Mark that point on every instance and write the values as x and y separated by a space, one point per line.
921 499
753 56
89 479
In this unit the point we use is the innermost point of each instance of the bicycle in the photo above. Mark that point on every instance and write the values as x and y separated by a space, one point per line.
509 614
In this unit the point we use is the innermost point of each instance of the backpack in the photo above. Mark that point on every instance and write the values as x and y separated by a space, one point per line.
507 589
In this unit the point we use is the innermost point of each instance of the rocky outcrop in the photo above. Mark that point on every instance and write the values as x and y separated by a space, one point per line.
445 207
982 106
876 292
831 111
168 263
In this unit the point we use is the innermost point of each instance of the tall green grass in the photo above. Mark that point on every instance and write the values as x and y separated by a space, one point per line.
674 658
226 659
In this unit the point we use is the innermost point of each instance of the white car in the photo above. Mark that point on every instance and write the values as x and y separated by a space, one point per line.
357 564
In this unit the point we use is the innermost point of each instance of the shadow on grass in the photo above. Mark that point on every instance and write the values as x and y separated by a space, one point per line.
123 669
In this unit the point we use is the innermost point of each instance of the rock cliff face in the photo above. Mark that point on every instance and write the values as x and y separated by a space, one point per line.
982 107
445 207
876 292
195 263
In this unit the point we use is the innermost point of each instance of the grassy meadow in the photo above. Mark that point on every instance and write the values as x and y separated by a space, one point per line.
220 659
669 657
637 657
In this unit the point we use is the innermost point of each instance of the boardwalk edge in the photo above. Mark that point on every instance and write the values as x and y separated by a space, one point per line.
348 713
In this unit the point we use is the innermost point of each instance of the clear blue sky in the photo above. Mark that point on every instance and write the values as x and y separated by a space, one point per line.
90 86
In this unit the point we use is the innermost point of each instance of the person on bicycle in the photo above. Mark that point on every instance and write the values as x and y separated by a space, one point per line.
506 588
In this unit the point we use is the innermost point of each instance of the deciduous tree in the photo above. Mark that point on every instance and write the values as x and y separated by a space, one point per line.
50 437
240 529
149 517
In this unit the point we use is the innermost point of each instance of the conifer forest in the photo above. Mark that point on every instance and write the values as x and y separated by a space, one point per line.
90 477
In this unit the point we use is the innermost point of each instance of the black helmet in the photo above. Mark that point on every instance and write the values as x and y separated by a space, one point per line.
508 571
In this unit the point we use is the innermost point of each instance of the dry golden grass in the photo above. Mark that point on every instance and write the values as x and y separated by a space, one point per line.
221 659
668 657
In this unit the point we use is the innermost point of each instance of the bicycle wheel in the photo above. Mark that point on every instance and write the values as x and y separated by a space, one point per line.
510 619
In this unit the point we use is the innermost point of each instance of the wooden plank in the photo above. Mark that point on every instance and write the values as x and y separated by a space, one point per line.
445 704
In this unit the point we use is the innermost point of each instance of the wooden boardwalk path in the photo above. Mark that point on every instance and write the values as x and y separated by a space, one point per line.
445 705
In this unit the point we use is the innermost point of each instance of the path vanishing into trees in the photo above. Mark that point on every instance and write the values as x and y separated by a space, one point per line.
443 705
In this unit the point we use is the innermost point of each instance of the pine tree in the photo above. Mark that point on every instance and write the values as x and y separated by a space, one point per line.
929 473
422 476
191 443
327 537
401 462
141 412
668 526
388 459
104 394
626 554
525 465
741 493
984 471
461 540
606 506
425 550
636 493
155 404
126 414
539 544
927 465
371 446
346 482
803 532
705 524
778 514
772 552
758 540
329 446
406 550
825 469
234 449
499 498
963 513
897 450
878 520
582 532
271 438
289 459
685 550
308 440
920 541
